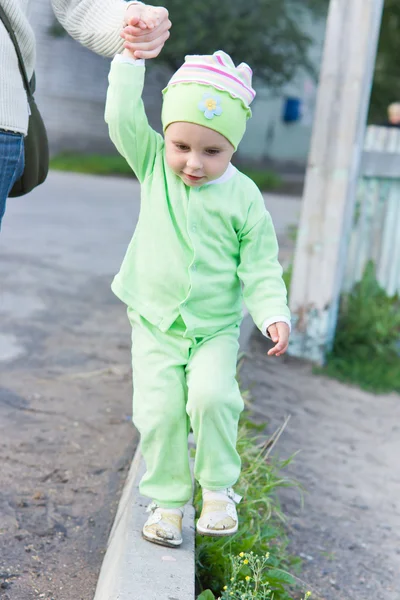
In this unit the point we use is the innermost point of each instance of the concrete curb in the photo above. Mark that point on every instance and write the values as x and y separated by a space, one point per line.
134 569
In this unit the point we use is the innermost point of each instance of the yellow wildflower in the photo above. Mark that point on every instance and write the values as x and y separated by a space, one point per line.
246 562
241 554
247 578
225 587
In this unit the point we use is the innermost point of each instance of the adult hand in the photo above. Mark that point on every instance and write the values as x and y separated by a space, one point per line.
146 31
279 333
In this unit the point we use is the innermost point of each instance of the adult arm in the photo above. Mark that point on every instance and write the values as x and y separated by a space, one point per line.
97 24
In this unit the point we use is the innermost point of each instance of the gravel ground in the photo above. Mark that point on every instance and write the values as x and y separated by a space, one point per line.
348 531
66 440
65 446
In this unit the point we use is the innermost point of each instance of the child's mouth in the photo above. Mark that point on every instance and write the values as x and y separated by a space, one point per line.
193 178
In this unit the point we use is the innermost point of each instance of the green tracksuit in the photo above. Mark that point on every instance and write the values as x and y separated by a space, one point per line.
181 279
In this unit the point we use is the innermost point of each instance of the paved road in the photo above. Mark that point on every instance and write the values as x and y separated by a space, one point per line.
65 435
65 389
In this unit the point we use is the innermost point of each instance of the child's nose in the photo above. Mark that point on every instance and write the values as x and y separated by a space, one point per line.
194 161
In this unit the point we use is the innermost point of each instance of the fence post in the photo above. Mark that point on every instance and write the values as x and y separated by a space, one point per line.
333 164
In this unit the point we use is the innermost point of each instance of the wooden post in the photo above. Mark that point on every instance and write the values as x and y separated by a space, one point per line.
328 201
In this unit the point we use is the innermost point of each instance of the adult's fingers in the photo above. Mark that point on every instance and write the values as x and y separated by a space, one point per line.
135 34
152 16
136 22
149 49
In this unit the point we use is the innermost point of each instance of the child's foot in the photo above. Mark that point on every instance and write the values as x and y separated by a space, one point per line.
218 517
164 526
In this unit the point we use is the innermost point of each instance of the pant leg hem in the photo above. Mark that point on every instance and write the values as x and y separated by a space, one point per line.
217 488
170 504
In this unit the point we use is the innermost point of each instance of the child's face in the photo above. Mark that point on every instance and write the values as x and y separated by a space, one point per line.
196 154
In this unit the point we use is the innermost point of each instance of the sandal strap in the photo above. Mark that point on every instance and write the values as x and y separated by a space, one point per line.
233 496
220 508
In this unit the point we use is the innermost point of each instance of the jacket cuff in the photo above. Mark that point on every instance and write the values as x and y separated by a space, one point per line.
137 62
268 322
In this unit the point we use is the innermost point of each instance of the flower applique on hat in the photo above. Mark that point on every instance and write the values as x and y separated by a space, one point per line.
210 105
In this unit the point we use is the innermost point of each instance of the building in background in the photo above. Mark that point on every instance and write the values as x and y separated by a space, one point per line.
72 84
269 138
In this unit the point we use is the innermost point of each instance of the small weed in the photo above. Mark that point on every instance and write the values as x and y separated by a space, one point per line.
329 555
262 524
251 578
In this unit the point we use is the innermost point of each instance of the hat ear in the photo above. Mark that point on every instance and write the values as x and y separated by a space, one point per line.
246 73
222 58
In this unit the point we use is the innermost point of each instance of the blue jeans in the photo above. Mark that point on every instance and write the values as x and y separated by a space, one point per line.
11 164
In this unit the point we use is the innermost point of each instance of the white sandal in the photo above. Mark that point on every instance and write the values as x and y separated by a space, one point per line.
219 517
164 526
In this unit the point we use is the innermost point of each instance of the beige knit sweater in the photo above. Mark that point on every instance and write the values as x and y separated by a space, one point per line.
94 23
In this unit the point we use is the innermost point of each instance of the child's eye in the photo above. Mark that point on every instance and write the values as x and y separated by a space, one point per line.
182 147
212 151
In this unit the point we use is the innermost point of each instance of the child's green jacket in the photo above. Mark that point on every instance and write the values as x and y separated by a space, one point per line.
192 247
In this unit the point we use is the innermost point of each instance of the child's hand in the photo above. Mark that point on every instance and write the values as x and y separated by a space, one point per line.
146 31
279 333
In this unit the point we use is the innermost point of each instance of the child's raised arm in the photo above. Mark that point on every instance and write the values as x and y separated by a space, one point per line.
128 127
126 118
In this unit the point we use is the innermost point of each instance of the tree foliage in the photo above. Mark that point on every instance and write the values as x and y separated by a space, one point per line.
267 34
386 87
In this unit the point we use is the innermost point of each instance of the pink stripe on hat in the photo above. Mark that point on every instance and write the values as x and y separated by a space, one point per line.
223 73
219 71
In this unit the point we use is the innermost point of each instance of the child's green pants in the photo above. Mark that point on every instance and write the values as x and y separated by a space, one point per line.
178 381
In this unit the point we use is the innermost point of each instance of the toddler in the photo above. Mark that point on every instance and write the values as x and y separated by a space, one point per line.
202 230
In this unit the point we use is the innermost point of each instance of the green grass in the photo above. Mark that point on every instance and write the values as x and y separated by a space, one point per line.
366 349
266 180
97 164
367 343
262 527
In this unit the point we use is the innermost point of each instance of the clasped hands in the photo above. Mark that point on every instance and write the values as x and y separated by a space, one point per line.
146 30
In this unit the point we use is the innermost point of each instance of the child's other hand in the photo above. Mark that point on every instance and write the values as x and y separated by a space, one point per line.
146 31
279 333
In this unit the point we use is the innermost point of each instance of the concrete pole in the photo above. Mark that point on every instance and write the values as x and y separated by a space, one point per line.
328 202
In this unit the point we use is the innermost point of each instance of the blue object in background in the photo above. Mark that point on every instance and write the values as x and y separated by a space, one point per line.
291 110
